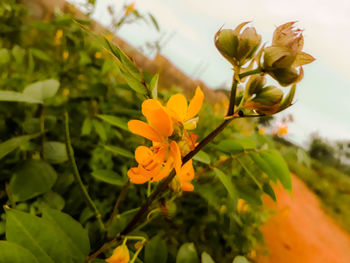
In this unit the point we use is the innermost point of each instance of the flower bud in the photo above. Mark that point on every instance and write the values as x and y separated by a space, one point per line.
266 101
254 85
285 55
235 46
287 76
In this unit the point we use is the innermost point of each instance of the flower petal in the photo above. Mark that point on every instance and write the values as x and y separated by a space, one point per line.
137 175
187 186
157 117
177 105
143 129
195 104
164 171
143 155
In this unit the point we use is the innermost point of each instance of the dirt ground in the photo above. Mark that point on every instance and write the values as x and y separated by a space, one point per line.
301 232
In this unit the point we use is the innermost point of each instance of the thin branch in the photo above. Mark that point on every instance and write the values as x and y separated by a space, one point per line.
119 200
83 191
248 73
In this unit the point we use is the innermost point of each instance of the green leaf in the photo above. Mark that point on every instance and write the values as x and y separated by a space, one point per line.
248 171
206 258
187 254
55 152
115 121
135 84
40 54
12 144
109 176
156 250
153 86
260 162
247 143
154 21
4 56
18 53
13 253
268 190
41 237
100 130
119 151
76 236
230 146
226 181
202 157
87 126
240 259
32 178
42 90
17 97
128 66
54 200
279 167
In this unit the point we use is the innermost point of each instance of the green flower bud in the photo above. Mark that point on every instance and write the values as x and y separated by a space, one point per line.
237 47
254 85
266 101
287 76
278 57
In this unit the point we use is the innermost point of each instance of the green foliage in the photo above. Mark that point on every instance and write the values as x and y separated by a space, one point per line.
187 254
48 68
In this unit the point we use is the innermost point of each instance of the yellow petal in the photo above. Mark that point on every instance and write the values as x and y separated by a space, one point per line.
177 105
137 175
187 186
164 171
143 129
143 155
195 104
175 152
187 172
157 117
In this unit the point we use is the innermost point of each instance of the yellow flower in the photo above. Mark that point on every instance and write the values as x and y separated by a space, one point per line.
120 255
58 36
155 163
65 55
183 114
262 131
98 55
152 164
66 92
130 8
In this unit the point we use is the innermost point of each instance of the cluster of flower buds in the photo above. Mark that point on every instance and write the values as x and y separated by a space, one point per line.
283 61
285 55
236 46
167 127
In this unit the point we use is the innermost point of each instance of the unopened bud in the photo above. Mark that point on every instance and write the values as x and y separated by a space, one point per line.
266 101
254 85
235 46
287 76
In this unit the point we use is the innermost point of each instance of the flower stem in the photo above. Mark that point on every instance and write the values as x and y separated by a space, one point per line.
83 191
42 129
116 206
248 73
231 107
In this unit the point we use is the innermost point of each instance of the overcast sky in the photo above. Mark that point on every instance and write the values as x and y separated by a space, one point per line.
323 96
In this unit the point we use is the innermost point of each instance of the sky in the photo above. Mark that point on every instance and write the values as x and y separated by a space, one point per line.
323 96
